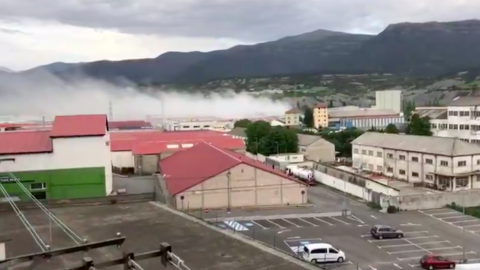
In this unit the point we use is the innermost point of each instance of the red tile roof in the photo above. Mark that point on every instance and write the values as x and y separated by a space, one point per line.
321 106
79 126
155 147
128 124
25 142
201 162
124 141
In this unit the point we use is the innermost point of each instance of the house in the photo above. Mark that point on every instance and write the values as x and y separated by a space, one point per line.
316 148
293 117
448 163
208 177
320 116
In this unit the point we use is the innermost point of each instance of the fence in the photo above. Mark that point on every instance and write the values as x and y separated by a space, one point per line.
117 199
437 200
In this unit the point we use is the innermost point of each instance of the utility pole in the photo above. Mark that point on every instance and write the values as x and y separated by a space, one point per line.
229 190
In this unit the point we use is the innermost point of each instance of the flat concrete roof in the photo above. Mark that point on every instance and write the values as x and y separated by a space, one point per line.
145 226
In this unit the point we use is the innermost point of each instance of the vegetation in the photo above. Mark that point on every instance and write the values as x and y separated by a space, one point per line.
419 126
307 118
374 205
390 128
408 109
243 123
267 140
342 139
472 211
392 209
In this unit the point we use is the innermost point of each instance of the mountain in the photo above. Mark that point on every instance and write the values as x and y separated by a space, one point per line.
431 48
6 70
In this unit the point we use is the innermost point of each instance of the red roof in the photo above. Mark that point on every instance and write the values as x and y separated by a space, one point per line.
201 162
128 124
25 142
79 126
155 147
124 141
321 105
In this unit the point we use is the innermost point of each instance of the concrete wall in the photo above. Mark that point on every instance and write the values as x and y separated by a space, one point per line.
122 159
247 187
437 200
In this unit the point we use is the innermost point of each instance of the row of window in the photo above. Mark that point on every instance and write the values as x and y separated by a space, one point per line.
455 126
464 113
443 163
400 172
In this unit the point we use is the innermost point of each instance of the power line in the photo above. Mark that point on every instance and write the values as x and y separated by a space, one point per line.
50 215
24 220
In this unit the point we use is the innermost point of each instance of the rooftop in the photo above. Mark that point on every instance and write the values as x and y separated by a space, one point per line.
145 226
204 161
432 113
362 113
306 140
294 110
155 147
79 126
238 131
129 124
420 144
466 101
25 142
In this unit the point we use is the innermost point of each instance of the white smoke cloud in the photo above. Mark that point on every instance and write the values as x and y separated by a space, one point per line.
43 94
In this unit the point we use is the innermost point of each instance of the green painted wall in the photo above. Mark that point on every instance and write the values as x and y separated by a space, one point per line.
61 184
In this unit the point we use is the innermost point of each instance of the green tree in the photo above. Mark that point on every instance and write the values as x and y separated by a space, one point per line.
244 123
419 126
255 132
391 128
330 104
342 139
408 109
279 140
308 117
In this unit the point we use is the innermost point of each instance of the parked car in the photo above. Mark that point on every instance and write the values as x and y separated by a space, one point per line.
385 232
322 252
436 262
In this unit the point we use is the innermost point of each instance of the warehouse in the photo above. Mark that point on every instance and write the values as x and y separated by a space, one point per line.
147 154
123 142
70 161
205 176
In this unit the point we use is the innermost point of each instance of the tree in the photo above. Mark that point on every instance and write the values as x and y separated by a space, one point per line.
342 139
419 126
330 104
244 123
255 132
408 109
308 117
392 129
267 140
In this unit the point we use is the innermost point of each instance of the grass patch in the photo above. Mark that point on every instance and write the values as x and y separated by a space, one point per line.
471 211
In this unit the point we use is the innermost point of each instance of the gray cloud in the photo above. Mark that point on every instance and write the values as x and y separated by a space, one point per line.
247 20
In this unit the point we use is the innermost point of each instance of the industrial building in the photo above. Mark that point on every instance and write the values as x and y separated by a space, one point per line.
207 177
139 151
389 100
364 118
189 124
129 125
72 160
443 163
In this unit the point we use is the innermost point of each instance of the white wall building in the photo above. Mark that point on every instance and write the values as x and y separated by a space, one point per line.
389 100
445 162
461 119
198 124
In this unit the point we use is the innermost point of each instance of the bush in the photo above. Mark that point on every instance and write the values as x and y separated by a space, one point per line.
374 205
392 209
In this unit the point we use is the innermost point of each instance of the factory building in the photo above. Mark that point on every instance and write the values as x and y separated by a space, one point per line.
139 151
191 124
207 177
72 160
363 118
129 125
389 100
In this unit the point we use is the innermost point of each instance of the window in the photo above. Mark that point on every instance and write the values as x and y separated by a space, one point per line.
379 168
379 154
364 152
415 159
389 169
414 174
478 161
429 161
462 163
196 126
355 150
401 157
390 155
319 251
401 172
370 152
332 250
370 167
38 186
444 163
429 177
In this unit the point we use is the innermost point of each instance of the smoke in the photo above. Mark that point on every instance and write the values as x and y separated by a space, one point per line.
43 94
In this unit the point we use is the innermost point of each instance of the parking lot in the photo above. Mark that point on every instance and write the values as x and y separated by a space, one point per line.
289 223
455 218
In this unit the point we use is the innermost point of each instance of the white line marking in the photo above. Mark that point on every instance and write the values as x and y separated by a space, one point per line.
356 218
473 225
294 237
406 245
371 267
416 232
304 239
433 242
398 266
404 251
280 232
460 216
446 213
339 220
286 220
404 239
260 225
323 221
373 216
308 222
410 224
365 235
434 210
281 227
417 250
390 246
446 255
471 220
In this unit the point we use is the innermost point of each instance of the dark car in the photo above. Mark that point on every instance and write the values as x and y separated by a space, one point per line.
436 262
385 232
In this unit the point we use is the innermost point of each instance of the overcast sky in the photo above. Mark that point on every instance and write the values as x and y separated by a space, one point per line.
36 32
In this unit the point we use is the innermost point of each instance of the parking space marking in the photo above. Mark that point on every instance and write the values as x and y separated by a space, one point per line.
281 227
406 245
435 210
294 224
446 213
429 251
446 255
406 238
258 224
326 222
354 218
459 216
308 222
339 220
473 225
470 220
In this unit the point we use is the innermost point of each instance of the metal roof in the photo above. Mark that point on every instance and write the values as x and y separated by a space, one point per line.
421 144
238 131
432 113
366 112
306 140
466 101
79 126
156 147
25 142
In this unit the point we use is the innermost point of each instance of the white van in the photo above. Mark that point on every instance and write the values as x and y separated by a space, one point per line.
323 252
